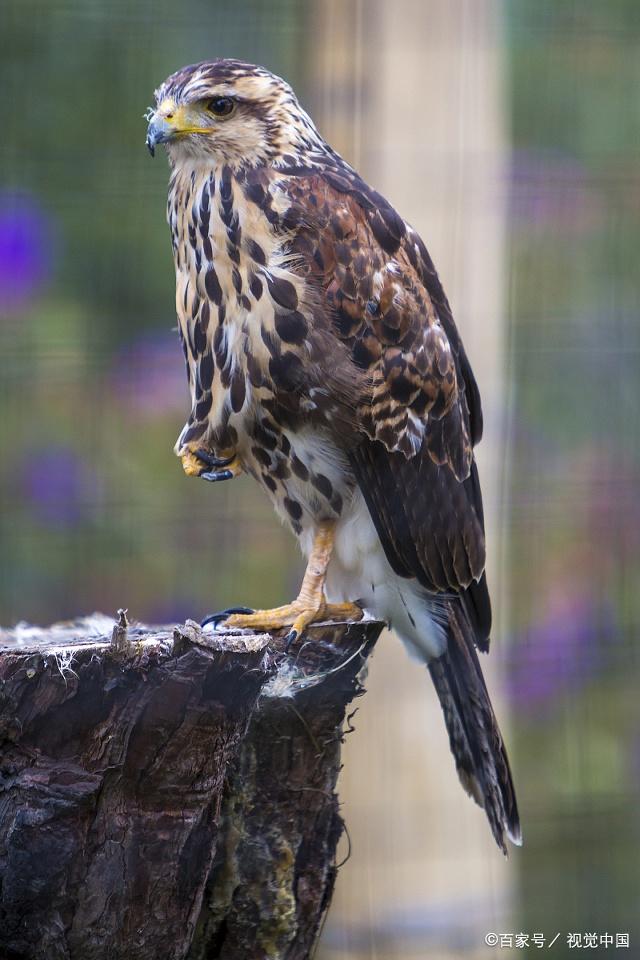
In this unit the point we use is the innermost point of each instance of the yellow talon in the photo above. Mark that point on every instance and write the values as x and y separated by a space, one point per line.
311 605
234 467
296 615
210 466
191 465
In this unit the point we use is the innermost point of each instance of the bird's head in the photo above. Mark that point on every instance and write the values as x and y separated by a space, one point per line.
226 110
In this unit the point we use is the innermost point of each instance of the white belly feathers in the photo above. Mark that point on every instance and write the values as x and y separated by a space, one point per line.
359 569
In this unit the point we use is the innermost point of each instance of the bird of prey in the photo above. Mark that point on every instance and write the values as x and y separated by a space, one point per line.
323 360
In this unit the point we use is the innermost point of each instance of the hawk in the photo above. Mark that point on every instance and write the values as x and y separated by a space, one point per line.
323 360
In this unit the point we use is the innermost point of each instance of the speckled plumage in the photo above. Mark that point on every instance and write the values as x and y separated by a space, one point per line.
321 350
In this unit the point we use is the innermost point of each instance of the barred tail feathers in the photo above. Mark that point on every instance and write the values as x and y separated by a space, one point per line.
474 735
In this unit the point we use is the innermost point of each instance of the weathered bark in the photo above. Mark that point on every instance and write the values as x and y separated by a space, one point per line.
170 794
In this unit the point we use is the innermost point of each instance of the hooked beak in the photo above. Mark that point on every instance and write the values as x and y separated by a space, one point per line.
158 131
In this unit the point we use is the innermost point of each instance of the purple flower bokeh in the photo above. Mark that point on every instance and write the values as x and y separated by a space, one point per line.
149 375
551 189
58 486
26 244
559 653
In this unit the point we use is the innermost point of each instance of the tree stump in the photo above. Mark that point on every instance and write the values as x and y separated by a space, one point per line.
170 793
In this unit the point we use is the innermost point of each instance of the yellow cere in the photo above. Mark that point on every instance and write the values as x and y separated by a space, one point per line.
180 118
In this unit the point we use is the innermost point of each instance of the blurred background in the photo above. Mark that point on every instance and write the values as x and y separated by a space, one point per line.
508 134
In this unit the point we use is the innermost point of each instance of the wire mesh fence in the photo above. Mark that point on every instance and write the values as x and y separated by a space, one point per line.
508 134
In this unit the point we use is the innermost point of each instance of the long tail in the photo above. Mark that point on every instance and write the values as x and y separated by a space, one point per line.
474 736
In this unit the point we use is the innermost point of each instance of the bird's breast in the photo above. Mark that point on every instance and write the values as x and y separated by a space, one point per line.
230 273
245 327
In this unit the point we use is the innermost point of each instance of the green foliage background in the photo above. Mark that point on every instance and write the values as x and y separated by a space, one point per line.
77 77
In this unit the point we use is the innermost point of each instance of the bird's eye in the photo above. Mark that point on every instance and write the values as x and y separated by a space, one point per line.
221 106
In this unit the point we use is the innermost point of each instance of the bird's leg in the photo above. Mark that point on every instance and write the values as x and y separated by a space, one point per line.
311 604
208 466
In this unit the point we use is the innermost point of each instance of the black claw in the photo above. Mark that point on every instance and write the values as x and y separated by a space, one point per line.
216 618
214 477
290 638
212 461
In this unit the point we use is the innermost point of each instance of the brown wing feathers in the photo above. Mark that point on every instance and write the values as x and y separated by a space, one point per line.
379 307
386 304
421 512
419 418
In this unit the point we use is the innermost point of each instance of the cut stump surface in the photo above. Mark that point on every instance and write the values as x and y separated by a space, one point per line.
170 793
